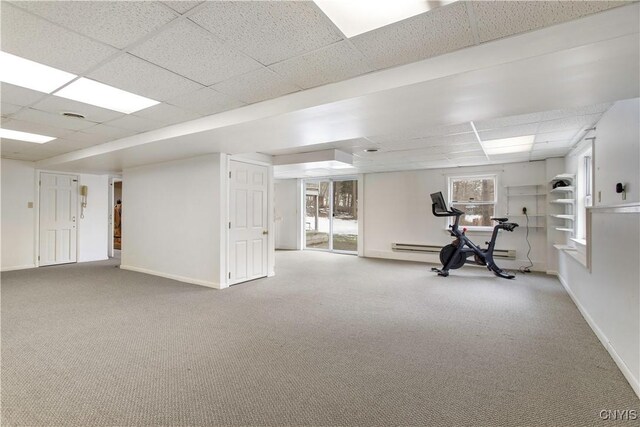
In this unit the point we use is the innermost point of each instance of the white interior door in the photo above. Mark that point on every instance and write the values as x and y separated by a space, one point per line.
58 210
248 228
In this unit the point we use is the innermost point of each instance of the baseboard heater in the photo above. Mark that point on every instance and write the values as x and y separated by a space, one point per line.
433 249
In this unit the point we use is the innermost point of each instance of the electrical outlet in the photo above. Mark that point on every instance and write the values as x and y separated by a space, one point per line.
524 210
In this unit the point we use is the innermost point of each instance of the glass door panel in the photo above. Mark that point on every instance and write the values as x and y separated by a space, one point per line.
317 225
345 216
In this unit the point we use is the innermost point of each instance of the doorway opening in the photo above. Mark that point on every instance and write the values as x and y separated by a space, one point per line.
331 214
115 216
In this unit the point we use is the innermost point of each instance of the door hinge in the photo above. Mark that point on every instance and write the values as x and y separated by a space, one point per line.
229 174
38 257
75 180
229 225
40 183
229 275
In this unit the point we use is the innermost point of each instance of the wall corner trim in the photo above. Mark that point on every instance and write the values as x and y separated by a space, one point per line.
635 384
174 277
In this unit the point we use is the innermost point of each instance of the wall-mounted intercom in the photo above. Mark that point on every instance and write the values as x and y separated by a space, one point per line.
84 193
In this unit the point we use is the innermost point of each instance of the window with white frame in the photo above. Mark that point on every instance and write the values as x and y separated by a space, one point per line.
476 196
584 184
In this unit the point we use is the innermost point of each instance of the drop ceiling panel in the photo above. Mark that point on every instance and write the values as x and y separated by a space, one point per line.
206 101
57 105
338 61
51 119
195 53
567 123
118 23
496 19
135 123
34 38
167 114
508 121
181 6
269 31
438 31
354 146
580 111
509 132
138 76
565 135
37 128
256 86
7 109
18 95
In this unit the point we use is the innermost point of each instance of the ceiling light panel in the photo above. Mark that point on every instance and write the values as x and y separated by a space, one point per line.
360 16
508 145
105 96
22 72
25 136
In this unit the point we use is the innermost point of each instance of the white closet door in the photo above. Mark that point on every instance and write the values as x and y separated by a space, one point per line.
248 222
58 210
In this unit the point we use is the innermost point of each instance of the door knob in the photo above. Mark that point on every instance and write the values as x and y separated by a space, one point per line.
265 232
73 218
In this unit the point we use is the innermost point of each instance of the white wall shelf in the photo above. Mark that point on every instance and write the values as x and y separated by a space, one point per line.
530 196
564 202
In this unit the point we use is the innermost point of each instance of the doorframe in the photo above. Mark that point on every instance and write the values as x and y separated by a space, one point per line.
360 240
112 203
38 179
271 241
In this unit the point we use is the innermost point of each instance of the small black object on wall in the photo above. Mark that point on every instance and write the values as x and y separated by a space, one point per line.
621 188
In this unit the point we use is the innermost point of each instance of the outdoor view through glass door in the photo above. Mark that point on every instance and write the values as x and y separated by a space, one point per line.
331 214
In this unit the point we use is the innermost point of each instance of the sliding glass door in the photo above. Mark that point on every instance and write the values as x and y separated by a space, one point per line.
331 214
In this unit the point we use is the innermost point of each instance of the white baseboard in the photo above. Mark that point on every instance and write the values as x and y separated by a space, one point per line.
18 267
552 273
633 381
173 277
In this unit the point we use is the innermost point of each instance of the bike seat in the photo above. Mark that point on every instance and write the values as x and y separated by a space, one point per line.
499 219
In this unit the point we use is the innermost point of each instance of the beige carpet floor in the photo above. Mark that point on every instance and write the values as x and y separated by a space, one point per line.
331 340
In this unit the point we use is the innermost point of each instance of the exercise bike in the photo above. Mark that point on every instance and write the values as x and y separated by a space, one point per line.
455 254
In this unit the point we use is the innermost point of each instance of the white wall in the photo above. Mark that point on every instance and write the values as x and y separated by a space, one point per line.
287 213
18 220
172 224
93 229
616 153
397 209
19 223
609 294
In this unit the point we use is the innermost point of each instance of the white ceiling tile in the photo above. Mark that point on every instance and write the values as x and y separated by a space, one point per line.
7 109
256 86
88 139
332 63
12 146
34 127
138 76
508 121
167 114
580 111
18 95
432 33
269 31
568 123
57 105
181 6
509 132
556 145
109 132
118 23
195 53
206 101
496 19
34 38
51 119
467 154
135 123
564 135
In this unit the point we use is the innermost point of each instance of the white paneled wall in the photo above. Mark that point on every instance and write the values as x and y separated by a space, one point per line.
287 213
